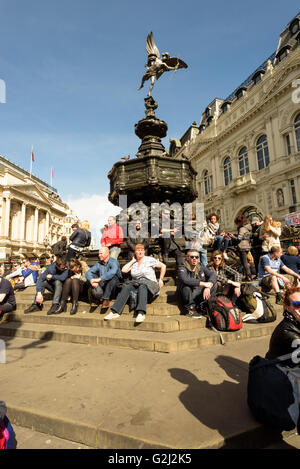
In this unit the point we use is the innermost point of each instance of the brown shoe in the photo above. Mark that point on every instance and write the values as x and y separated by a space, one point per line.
105 303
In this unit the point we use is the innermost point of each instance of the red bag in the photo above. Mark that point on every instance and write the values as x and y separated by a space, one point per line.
223 314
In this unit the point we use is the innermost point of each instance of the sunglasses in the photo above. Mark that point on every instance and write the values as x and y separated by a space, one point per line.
218 258
295 304
194 257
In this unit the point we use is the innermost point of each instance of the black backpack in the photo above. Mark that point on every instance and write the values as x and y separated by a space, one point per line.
256 305
223 315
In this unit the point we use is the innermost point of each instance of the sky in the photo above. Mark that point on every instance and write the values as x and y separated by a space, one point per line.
71 70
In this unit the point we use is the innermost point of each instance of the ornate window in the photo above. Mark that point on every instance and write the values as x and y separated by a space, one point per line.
262 152
207 184
243 162
297 131
227 171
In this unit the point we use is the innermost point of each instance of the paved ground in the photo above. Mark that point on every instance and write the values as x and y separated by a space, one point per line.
112 398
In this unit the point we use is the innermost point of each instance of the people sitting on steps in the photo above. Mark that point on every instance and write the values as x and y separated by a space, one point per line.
285 334
220 238
28 274
269 275
143 283
228 279
75 286
196 283
104 277
51 279
112 237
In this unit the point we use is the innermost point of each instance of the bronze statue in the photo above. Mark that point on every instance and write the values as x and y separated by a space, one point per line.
157 65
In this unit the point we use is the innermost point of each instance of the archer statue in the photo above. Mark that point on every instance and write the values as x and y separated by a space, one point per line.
157 65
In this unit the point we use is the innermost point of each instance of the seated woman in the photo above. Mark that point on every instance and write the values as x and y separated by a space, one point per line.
228 279
220 237
143 282
73 286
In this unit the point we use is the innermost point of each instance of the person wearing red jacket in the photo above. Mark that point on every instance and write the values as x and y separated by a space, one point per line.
112 237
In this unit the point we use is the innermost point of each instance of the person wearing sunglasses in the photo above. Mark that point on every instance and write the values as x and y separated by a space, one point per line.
196 283
286 336
228 279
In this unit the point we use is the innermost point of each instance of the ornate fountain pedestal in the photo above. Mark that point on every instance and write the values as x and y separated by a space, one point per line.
152 176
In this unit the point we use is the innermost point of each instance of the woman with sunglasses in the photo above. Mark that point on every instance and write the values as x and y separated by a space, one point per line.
228 279
286 336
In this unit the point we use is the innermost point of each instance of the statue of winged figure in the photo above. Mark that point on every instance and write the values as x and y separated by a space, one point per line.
157 65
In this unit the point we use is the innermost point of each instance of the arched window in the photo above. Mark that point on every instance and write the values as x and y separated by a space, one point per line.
243 161
227 171
207 186
297 132
262 152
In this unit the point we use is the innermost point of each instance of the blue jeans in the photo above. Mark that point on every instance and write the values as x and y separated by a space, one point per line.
218 243
105 289
122 298
203 256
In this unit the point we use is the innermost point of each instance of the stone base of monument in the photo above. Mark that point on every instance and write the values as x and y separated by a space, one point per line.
165 328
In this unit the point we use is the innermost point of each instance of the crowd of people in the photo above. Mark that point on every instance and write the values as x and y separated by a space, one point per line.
256 243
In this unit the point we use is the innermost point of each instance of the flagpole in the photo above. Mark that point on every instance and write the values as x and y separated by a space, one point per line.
31 159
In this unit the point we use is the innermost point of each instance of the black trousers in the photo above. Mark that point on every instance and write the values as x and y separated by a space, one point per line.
193 296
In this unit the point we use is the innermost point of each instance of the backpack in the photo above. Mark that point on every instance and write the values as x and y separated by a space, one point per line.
256 306
223 315
272 393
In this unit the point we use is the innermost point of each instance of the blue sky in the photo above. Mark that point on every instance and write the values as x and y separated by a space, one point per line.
72 69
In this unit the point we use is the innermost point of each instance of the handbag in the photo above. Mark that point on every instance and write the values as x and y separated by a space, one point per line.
273 392
206 237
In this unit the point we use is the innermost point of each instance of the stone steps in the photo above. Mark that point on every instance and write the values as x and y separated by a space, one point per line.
165 336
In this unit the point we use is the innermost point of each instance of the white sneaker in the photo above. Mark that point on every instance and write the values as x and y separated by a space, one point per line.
225 256
111 315
140 317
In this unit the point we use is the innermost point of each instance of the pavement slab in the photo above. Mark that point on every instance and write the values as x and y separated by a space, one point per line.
104 397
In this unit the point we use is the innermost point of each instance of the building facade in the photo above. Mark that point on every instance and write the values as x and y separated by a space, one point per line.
246 149
32 215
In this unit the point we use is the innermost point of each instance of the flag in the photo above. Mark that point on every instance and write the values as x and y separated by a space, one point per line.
32 155
51 177
51 173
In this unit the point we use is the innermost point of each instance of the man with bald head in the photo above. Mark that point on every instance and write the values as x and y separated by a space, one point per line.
103 277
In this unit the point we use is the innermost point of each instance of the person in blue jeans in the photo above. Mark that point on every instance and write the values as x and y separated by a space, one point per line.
104 277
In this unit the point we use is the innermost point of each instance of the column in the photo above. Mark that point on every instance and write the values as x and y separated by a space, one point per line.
23 219
47 224
7 216
36 219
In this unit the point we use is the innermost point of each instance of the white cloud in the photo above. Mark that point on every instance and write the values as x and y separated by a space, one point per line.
94 208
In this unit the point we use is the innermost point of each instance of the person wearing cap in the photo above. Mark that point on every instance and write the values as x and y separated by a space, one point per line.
256 249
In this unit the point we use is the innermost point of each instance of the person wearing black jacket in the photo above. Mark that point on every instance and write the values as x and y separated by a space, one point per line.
80 238
196 283
286 336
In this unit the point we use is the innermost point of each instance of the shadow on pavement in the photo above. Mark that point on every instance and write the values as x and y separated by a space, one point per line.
223 407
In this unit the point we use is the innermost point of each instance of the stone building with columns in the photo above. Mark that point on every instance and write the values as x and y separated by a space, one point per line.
32 214
246 149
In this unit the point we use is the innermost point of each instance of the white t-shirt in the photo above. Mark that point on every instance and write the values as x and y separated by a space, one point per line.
145 269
